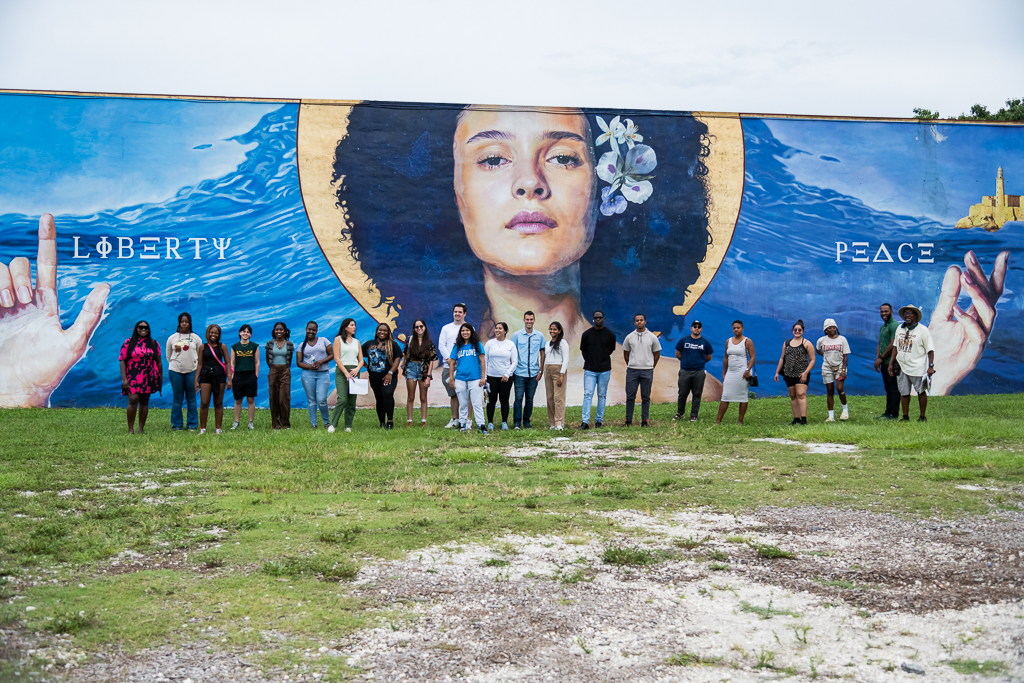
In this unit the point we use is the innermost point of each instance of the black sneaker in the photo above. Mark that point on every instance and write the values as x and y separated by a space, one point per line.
584 425
628 423
693 419
922 419
644 424
796 421
678 416
390 425
803 420
905 418
526 425
598 425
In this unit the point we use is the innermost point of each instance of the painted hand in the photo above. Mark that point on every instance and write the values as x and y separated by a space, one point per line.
35 351
959 335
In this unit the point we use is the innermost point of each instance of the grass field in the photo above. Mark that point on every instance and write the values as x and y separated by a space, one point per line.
142 540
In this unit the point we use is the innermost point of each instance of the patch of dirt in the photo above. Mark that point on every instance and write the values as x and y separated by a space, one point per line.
593 452
864 595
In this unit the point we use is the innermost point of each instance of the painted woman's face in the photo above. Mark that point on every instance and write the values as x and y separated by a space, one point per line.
525 185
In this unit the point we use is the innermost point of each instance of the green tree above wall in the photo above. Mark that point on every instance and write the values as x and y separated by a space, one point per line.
1013 111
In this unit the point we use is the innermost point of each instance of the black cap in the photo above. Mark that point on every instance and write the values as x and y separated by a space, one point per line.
696 322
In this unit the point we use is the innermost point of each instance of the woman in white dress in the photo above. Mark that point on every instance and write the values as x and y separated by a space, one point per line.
737 369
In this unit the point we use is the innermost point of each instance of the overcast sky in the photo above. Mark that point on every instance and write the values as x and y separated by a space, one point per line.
882 58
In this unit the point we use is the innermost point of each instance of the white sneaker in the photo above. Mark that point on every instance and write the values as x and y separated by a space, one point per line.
830 419
559 429
348 429
201 432
252 426
220 431
490 426
452 423
234 425
330 429
844 416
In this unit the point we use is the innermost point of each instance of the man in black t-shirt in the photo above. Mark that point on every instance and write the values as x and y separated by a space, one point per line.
693 352
597 345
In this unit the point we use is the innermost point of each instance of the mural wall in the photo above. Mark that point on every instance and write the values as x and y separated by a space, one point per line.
259 211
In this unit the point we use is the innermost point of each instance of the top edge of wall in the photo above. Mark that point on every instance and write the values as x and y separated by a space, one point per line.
422 105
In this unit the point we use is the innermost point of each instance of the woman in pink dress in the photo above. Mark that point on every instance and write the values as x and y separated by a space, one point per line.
142 373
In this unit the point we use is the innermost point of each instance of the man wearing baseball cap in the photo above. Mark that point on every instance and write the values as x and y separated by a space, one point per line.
693 353
916 356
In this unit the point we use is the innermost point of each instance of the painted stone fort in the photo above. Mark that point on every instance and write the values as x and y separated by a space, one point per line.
994 210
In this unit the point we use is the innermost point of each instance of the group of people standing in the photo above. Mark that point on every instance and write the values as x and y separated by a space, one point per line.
509 367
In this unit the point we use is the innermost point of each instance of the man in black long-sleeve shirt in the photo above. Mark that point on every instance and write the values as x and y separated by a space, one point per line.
597 345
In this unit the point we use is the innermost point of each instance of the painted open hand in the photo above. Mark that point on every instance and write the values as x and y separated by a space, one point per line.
35 351
959 336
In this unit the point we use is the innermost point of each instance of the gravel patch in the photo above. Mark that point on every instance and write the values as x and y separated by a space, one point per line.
866 598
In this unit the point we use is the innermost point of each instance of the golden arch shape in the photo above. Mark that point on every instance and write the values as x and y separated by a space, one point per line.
322 124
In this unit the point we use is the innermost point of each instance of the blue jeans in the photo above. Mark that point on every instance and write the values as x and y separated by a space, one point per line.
317 386
525 386
183 385
593 379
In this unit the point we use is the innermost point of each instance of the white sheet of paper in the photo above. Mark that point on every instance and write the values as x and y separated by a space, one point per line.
359 386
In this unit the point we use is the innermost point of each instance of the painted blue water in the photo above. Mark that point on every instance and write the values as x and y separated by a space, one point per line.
782 264
273 268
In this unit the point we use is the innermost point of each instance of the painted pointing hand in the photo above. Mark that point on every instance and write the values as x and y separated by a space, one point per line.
959 336
35 351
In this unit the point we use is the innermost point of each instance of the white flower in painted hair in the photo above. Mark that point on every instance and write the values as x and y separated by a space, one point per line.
632 133
613 132
631 173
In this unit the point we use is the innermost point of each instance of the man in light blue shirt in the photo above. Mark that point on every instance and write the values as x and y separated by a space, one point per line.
530 346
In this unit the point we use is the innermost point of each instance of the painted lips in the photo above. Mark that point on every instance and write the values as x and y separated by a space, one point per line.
530 223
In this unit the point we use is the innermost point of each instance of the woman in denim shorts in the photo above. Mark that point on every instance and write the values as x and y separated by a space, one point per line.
420 356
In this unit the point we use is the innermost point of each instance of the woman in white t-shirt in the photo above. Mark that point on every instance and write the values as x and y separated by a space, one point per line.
314 358
502 358
556 363
835 357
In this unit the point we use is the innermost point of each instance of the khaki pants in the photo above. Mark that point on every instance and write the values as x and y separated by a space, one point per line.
555 395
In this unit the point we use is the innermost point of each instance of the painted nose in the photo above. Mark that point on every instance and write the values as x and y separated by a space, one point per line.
531 184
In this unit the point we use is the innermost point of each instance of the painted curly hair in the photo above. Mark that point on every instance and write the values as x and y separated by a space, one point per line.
396 169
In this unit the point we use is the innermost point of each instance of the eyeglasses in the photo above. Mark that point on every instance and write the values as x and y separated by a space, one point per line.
598 317
419 327
695 325
143 327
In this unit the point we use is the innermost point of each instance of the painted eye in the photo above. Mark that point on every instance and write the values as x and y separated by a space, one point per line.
493 161
566 160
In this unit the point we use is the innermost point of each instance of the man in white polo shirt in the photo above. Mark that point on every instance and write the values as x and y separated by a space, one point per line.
642 351
916 357
445 342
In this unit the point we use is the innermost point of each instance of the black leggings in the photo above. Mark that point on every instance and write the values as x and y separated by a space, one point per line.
497 389
384 394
